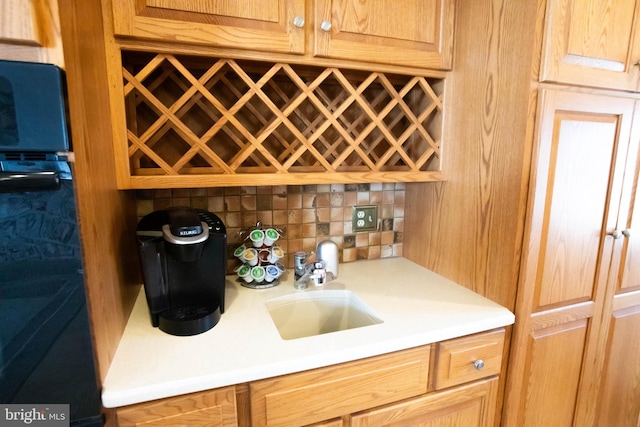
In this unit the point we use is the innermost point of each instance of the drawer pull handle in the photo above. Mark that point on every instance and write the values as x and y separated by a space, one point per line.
478 364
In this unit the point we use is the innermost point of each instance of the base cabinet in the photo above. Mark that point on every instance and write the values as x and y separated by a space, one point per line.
394 389
216 408
469 406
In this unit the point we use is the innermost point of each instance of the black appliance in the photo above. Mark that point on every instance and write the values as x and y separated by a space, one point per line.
183 254
46 354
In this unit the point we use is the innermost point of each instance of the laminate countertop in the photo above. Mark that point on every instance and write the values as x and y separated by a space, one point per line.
416 306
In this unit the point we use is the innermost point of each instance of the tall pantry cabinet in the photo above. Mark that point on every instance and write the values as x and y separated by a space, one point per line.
565 255
575 355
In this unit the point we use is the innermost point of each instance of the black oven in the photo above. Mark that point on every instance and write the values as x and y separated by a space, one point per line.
46 354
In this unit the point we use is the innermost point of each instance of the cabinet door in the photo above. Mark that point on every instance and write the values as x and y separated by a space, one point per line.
413 33
325 393
266 25
619 394
212 408
577 176
592 43
30 31
470 405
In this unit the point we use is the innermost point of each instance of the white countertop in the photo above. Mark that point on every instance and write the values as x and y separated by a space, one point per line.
417 306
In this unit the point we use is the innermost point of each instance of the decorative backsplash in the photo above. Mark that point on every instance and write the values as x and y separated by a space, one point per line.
307 214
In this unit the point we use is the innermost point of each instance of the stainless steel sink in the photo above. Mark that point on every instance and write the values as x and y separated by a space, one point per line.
319 312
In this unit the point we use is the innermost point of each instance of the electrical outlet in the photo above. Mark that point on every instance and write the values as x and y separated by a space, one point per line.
364 218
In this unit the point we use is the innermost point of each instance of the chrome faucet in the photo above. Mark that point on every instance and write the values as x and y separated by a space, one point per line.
314 271
321 271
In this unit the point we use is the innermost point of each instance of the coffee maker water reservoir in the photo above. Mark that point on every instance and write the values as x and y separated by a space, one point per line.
183 255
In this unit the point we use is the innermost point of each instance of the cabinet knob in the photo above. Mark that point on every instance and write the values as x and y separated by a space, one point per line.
616 234
626 233
478 364
637 63
298 21
325 25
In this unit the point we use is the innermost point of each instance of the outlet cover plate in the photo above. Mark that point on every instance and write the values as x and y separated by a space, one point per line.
364 218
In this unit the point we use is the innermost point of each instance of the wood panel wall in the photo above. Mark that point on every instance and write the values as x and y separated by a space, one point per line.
107 216
469 228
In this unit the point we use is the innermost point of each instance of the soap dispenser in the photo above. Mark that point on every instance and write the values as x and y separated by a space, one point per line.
327 252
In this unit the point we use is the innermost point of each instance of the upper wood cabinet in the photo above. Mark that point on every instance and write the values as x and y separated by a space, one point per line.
418 34
30 31
415 34
592 43
266 25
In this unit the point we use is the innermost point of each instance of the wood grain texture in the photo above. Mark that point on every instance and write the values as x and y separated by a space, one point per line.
325 393
593 43
30 31
455 358
19 22
212 408
106 215
622 371
551 300
555 374
294 124
266 26
419 34
469 406
470 225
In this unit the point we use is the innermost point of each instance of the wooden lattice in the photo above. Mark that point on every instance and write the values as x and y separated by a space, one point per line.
239 120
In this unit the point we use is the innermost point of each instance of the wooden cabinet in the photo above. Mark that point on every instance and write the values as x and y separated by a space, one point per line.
414 34
204 121
469 406
585 163
322 394
618 392
30 31
265 25
386 390
468 358
390 390
592 43
418 34
213 408
211 94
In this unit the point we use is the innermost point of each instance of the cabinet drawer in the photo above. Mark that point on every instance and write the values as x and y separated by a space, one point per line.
208 408
468 358
325 393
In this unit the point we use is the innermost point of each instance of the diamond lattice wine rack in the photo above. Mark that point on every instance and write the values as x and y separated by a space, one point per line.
196 121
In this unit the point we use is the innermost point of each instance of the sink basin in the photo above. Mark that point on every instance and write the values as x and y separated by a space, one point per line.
319 312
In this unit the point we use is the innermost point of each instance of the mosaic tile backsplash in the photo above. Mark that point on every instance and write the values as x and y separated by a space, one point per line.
308 214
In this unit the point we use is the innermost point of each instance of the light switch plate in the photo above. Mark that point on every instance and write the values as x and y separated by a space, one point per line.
364 218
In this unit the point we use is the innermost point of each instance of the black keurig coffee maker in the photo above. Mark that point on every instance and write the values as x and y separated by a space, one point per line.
183 254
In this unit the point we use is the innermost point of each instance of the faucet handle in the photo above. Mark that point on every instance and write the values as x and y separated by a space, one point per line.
319 273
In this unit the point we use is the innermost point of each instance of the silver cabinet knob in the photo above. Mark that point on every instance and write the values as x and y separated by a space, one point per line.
325 25
627 232
616 234
637 63
478 364
298 21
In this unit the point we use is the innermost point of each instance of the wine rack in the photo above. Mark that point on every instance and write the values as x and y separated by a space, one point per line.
198 121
